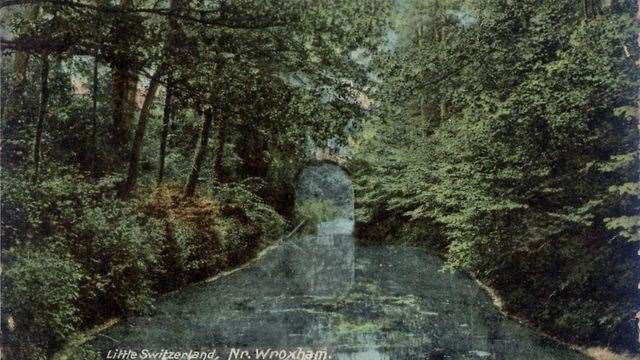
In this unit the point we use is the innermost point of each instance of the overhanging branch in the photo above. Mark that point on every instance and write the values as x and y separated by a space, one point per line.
203 17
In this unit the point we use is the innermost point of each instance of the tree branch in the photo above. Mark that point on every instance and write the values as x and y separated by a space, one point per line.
240 22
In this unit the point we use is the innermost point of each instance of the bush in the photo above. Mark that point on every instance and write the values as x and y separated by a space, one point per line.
40 293
120 253
76 254
247 222
239 201
192 245
32 213
205 236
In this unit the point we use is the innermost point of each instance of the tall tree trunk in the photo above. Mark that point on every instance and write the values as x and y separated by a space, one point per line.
15 110
170 43
21 66
166 123
94 118
136 145
42 115
200 154
251 152
3 94
124 87
218 167
590 8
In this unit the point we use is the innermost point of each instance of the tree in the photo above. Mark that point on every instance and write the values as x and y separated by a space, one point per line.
200 154
42 115
138 139
503 127
166 124
124 83
288 77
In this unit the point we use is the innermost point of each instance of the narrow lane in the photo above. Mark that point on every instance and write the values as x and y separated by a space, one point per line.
325 291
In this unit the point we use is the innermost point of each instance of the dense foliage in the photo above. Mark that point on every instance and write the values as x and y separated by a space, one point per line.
151 144
76 254
506 137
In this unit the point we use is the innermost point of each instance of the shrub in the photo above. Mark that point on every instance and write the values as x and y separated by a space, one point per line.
193 239
76 254
32 213
40 292
119 253
262 222
176 254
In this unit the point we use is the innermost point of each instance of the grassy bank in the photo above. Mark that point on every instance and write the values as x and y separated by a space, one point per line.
75 346
92 257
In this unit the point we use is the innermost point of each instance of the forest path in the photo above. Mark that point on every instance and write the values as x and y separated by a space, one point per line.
325 291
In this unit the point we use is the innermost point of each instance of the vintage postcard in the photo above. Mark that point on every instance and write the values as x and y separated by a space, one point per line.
320 179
